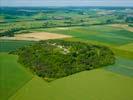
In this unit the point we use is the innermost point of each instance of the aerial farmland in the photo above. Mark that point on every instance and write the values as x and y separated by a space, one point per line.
66 53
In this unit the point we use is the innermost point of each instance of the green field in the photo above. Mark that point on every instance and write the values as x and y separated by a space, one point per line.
97 84
100 33
12 75
127 47
122 66
11 45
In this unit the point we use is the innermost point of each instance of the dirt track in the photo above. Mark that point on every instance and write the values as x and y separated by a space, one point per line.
36 36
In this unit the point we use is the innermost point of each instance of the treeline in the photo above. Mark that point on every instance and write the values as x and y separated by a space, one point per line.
10 32
129 19
131 25
13 29
59 58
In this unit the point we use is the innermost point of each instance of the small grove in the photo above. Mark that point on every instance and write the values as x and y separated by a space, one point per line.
53 59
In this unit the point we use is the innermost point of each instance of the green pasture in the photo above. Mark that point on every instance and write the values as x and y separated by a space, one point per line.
12 75
97 84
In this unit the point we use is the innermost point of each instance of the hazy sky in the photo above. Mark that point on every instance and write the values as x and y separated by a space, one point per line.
66 3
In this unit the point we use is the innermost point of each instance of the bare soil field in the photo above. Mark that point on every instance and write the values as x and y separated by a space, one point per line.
123 26
37 36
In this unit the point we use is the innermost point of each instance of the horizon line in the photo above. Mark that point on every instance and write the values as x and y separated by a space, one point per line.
67 6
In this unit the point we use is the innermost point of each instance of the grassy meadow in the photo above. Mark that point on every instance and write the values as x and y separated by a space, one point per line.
15 74
97 84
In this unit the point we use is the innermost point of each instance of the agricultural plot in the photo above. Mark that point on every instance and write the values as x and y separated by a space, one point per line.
123 66
123 26
36 36
12 75
127 47
11 45
103 34
97 84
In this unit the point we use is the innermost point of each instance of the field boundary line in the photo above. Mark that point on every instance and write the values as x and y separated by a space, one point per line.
20 87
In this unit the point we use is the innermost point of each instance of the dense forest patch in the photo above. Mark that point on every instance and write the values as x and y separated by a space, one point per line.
53 59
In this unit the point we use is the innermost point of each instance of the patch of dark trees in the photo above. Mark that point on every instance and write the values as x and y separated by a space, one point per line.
129 19
54 59
131 25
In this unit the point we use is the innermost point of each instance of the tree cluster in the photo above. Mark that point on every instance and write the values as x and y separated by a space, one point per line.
59 58
129 19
